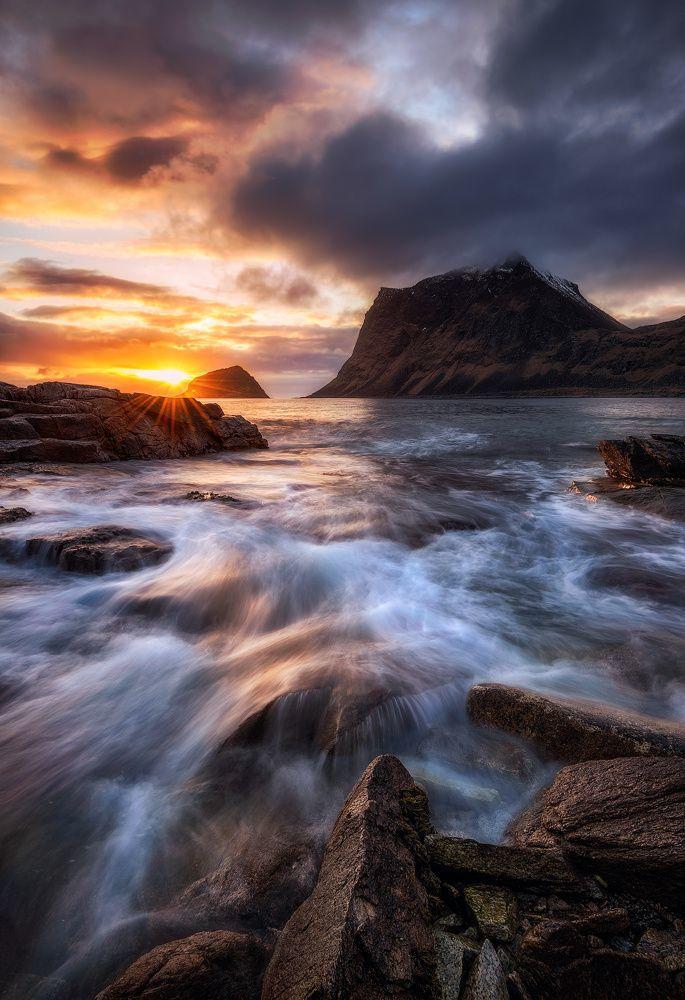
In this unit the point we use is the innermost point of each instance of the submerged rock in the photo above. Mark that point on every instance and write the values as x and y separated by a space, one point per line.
106 549
206 496
664 501
8 515
622 819
574 730
61 422
211 965
259 886
658 459
365 932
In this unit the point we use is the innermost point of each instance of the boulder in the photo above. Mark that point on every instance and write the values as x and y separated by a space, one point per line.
622 819
532 869
61 422
607 974
574 730
99 550
658 459
664 946
8 515
494 911
365 932
211 965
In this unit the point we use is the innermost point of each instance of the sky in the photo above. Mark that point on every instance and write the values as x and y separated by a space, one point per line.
186 186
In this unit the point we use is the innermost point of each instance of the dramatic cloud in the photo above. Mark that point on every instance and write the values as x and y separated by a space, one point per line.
193 169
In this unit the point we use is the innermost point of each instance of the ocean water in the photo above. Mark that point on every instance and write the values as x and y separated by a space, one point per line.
398 551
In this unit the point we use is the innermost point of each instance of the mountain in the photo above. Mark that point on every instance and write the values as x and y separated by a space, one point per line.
511 329
226 383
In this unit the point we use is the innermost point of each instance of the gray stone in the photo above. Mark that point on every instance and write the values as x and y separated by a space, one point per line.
449 965
486 980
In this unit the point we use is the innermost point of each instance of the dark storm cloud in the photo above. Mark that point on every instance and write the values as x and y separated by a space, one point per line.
580 162
44 277
591 57
131 159
276 285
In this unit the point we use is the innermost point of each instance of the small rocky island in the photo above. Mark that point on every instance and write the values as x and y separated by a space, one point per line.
226 383
63 422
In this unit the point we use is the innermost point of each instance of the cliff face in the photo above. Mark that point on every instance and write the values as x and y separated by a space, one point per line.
226 383
510 329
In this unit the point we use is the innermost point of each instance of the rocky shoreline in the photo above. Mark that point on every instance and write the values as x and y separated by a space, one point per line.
61 422
583 899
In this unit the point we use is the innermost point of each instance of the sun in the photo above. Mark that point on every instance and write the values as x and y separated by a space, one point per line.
168 376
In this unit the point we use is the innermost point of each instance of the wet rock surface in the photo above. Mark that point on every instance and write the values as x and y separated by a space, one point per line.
365 932
212 965
574 730
96 550
657 460
664 501
60 422
622 819
8 515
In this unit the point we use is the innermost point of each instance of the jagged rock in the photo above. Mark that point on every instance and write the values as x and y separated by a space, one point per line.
509 329
449 965
528 868
61 422
226 383
573 730
365 932
665 947
622 819
494 911
106 549
211 965
658 459
486 980
8 515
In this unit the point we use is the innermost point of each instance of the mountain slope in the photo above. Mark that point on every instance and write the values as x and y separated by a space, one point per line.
511 329
226 383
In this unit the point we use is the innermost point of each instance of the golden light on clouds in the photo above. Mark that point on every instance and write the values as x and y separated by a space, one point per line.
164 376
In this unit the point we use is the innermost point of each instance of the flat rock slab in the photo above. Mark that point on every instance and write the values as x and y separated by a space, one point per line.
106 549
365 932
211 965
533 869
622 819
658 459
574 730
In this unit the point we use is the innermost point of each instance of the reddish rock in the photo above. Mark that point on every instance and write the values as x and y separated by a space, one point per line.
212 965
622 819
574 729
365 932
658 459
60 422
99 550
8 515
